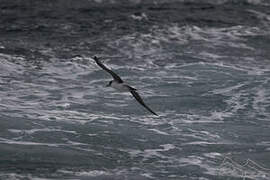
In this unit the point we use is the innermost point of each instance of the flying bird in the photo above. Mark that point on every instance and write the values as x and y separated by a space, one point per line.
118 83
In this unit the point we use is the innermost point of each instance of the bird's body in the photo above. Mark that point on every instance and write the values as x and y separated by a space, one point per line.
122 87
118 84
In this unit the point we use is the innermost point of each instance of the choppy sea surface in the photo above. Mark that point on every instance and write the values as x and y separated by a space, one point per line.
203 66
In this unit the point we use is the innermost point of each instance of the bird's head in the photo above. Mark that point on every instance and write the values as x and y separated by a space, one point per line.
109 84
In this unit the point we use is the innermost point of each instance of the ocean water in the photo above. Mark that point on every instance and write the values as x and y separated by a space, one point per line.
203 66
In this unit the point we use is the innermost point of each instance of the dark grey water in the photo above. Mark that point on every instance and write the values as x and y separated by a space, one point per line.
203 66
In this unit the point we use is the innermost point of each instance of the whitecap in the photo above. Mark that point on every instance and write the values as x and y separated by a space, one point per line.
32 131
27 143
159 132
92 173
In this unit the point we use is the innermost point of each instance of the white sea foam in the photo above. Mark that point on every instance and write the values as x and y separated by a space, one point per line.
159 132
92 173
32 131
150 153
220 115
15 176
228 90
264 143
139 17
200 143
213 155
74 117
115 105
190 160
7 141
216 117
260 15
9 68
261 101
148 119
148 175
207 55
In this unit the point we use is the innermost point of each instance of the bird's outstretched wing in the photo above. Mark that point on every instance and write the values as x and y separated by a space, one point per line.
139 99
114 75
